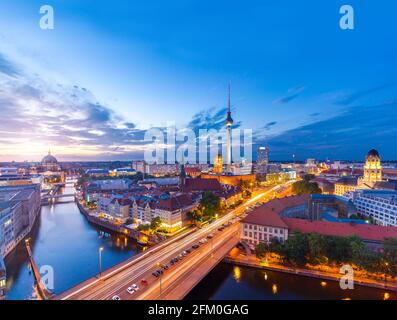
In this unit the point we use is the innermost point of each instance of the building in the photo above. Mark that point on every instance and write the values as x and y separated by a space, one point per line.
272 221
139 166
262 156
7 171
380 205
120 172
218 165
172 210
345 184
96 173
50 163
262 225
265 222
3 279
372 170
19 208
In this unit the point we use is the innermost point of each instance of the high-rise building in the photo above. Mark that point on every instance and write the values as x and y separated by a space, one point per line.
262 156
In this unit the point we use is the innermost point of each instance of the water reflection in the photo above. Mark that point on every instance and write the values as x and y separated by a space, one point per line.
65 240
255 284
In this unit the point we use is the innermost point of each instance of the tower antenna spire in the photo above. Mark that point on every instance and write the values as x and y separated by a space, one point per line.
229 99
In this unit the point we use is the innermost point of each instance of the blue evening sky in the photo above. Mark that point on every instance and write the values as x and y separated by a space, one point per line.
115 68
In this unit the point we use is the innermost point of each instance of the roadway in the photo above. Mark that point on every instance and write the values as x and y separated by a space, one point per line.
134 271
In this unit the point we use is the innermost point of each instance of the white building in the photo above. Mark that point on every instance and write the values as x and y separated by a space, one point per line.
381 205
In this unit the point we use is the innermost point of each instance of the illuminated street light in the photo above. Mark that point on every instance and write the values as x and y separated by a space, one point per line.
100 261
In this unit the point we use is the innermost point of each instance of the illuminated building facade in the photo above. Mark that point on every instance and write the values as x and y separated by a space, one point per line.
372 170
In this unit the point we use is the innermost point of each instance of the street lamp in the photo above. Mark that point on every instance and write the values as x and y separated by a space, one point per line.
100 261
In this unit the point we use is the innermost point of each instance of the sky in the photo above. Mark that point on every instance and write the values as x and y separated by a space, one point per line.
110 70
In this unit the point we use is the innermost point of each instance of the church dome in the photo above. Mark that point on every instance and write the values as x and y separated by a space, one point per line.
49 159
373 154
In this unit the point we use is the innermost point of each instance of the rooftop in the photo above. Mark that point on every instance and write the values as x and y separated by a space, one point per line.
364 231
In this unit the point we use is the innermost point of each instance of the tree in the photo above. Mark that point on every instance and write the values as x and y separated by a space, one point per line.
317 248
155 223
390 256
261 250
209 204
305 187
297 249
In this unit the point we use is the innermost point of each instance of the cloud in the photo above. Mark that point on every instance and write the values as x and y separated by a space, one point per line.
346 136
269 125
7 67
348 99
37 113
292 94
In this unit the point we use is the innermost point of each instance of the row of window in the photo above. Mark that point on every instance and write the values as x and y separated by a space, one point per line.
265 229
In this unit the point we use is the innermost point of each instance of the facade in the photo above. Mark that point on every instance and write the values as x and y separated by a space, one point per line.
380 205
254 229
262 156
172 211
345 184
139 166
372 170
50 163
123 172
3 282
218 165
115 209
97 172
19 207
270 221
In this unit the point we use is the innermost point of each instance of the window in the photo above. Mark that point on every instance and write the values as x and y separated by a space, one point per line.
2 283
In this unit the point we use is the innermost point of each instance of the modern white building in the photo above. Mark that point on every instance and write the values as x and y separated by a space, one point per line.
381 205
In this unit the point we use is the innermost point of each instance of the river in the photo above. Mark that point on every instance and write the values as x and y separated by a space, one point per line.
231 282
63 239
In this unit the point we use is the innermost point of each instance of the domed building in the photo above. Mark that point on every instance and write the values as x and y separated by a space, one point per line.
50 163
372 170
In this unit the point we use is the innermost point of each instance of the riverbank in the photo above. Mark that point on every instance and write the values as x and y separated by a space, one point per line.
120 229
252 262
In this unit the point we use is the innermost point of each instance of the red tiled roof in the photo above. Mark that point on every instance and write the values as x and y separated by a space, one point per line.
192 170
269 213
364 231
266 217
199 184
174 203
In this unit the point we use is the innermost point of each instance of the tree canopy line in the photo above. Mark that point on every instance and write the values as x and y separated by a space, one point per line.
305 186
301 249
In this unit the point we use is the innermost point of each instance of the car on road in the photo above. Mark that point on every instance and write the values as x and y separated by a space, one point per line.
155 274
144 282
188 251
195 246
116 298
184 253
221 229
135 287
210 236
165 267
130 290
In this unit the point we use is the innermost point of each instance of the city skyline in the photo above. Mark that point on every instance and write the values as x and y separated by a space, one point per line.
332 96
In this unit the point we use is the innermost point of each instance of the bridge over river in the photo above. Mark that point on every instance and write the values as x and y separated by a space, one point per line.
179 279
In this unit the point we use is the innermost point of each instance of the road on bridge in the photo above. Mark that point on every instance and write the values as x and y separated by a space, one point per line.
116 282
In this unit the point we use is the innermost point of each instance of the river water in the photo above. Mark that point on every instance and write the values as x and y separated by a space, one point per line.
64 240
